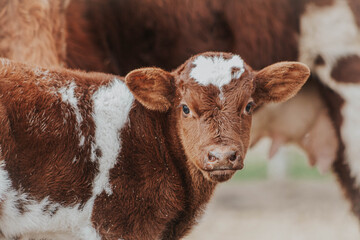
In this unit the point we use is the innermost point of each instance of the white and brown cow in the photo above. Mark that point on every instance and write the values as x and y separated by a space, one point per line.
323 118
330 44
95 156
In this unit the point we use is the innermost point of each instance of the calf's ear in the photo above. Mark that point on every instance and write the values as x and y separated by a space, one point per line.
152 87
280 81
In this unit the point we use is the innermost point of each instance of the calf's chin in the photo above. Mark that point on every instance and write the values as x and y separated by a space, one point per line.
220 175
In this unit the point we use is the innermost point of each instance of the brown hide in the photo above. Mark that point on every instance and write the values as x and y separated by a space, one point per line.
39 135
270 88
164 33
355 7
82 51
347 70
156 92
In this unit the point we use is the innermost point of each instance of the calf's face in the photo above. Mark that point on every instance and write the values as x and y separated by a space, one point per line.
212 96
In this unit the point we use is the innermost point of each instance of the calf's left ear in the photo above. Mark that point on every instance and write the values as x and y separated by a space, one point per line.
280 81
152 87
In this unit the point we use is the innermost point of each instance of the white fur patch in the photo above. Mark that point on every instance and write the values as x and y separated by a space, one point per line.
41 73
5 62
34 222
332 32
216 70
112 105
47 220
68 96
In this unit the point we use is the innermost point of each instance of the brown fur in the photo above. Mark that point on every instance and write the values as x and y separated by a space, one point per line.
355 7
347 70
158 82
34 130
81 41
280 79
163 33
33 31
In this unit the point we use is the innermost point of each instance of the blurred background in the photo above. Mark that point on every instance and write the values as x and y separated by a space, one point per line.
283 198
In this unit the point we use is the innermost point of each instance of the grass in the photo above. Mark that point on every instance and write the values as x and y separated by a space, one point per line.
256 167
256 170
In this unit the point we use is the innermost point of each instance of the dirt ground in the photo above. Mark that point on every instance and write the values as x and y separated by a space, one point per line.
281 210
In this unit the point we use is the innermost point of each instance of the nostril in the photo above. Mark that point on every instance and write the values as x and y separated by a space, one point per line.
233 156
211 157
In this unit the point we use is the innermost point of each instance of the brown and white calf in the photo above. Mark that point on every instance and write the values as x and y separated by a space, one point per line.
323 118
95 156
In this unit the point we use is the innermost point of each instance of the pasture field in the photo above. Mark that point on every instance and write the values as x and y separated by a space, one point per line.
303 206
273 210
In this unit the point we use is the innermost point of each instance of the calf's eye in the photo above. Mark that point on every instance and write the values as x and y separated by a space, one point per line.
249 107
185 109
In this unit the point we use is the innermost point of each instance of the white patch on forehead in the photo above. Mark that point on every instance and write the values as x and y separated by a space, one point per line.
332 32
42 219
112 105
68 96
216 70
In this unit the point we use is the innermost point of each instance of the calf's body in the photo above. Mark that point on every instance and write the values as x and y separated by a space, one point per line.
95 156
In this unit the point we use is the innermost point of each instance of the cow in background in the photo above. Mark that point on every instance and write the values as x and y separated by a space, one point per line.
34 31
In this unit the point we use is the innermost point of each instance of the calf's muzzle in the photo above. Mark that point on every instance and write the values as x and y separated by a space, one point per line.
220 158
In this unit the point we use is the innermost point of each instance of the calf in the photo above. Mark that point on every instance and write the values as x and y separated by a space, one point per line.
324 34
95 156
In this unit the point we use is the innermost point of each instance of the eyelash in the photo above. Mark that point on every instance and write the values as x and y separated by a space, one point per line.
247 110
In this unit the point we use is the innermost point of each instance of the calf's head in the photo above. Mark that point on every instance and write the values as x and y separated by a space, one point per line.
211 98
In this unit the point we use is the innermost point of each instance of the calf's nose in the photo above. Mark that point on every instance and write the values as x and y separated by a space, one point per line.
229 156
223 158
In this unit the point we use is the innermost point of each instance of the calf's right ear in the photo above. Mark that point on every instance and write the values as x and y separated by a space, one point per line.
280 81
152 87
